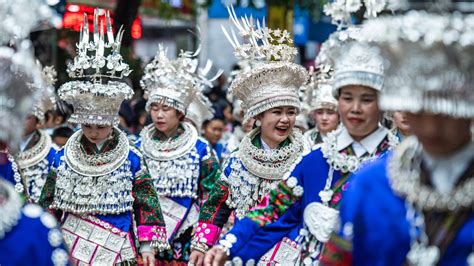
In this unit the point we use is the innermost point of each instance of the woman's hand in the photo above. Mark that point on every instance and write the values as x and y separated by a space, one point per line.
216 256
196 258
148 258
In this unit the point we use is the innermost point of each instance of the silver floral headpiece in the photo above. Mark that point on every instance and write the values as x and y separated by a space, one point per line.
430 62
340 10
319 90
19 17
200 110
47 100
175 82
18 71
97 99
274 81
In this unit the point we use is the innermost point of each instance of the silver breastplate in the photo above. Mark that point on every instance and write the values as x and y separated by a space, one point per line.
110 193
177 177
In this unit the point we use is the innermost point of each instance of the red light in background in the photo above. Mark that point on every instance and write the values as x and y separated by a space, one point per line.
74 18
137 29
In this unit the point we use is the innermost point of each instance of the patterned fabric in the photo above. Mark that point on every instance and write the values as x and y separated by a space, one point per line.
215 210
336 252
146 205
210 172
47 195
281 198
179 252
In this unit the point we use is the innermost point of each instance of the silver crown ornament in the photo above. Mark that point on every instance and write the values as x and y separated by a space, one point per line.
273 80
98 68
430 66
176 83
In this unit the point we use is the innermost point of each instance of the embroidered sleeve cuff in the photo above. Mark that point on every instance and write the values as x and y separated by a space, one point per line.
155 234
207 233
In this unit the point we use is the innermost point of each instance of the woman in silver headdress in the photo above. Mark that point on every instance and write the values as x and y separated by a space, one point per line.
269 95
182 164
304 206
99 186
414 206
36 148
322 105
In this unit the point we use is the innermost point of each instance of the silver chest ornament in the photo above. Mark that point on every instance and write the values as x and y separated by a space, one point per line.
94 184
178 177
247 189
33 166
174 164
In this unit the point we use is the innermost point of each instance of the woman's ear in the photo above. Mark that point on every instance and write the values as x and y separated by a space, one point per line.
180 116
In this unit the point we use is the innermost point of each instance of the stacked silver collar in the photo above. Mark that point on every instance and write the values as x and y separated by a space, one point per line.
33 164
174 165
255 172
348 163
110 193
270 165
170 149
94 184
405 181
95 164
36 154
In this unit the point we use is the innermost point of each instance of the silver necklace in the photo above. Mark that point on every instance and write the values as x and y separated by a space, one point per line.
404 173
33 165
270 165
19 187
404 169
36 153
421 253
95 164
170 149
344 162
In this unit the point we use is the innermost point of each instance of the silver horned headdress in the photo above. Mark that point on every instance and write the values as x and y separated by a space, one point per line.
430 62
275 80
175 82
99 68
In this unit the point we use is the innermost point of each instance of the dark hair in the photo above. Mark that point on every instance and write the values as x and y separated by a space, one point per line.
64 132
206 122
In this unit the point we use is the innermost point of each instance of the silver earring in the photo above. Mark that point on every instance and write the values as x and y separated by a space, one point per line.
258 123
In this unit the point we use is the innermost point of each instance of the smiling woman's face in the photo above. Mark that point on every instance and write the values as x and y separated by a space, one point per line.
359 110
277 124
